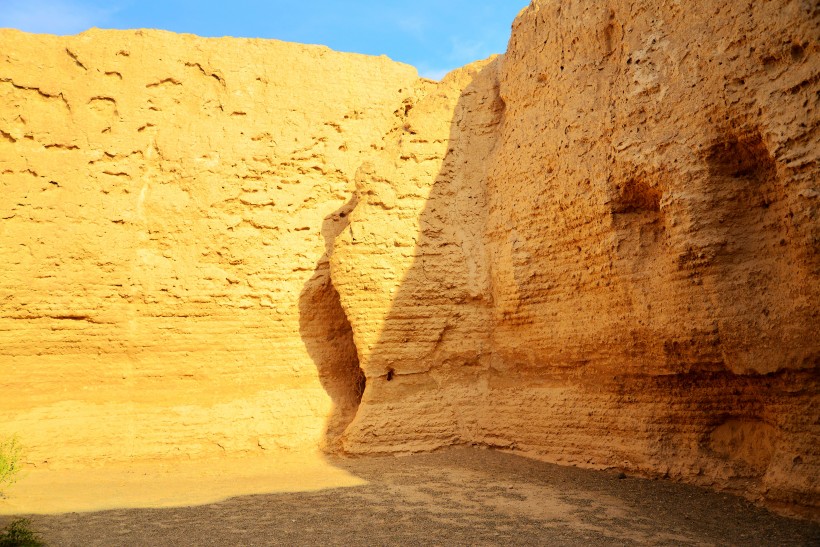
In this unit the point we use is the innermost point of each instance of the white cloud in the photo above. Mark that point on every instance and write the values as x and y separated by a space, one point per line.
462 52
413 25
467 51
52 16
434 73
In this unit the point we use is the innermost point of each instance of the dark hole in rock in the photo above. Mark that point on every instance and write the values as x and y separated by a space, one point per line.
744 156
637 196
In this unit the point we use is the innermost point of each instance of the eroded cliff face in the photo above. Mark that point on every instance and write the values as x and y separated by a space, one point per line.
653 233
617 263
412 273
599 249
165 287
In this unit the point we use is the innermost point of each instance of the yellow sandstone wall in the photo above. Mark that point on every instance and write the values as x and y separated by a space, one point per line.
599 249
654 240
412 271
164 287
616 263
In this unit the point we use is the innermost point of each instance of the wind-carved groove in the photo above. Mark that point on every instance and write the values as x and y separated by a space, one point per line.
328 337
75 59
61 146
104 106
72 317
37 90
164 81
213 75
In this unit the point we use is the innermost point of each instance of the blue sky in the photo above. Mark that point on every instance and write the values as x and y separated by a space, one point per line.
433 35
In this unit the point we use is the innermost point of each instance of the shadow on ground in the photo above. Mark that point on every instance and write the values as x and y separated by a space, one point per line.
452 497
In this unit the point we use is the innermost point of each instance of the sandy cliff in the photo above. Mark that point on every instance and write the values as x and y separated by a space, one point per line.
598 249
616 263
164 287
653 237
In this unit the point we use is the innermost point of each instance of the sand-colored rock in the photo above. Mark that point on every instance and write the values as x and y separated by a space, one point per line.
599 249
164 287
412 275
617 263
664 288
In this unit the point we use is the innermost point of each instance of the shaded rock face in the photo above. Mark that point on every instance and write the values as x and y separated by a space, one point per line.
616 264
599 249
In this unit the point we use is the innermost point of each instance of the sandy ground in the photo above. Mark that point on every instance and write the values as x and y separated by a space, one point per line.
171 483
453 497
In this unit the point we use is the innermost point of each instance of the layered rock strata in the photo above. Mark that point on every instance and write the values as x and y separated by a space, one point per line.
599 249
165 287
617 262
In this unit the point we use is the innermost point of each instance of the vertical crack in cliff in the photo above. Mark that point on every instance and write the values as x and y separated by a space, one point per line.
328 337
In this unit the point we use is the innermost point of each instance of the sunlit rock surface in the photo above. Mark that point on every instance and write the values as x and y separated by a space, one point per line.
599 249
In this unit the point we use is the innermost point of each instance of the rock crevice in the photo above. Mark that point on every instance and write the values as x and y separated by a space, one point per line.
598 249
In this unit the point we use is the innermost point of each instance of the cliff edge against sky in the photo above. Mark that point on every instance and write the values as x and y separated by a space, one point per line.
599 249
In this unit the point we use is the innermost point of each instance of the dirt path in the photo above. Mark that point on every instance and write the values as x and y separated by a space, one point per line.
455 497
